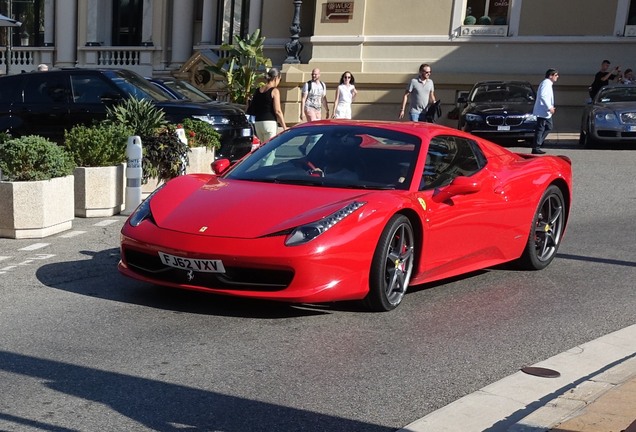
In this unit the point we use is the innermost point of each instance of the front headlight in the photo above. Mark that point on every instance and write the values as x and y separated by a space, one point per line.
473 118
213 120
605 116
306 233
142 212
530 118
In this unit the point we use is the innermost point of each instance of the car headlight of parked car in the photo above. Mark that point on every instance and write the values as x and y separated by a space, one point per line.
529 118
473 118
213 120
306 233
606 116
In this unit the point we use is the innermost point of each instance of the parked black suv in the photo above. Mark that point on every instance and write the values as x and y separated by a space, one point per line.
48 103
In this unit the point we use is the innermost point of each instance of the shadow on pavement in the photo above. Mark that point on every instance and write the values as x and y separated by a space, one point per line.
97 276
163 406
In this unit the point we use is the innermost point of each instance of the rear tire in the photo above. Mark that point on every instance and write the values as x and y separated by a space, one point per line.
392 265
546 231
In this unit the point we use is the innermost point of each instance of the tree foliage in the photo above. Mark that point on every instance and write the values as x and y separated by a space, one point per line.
244 67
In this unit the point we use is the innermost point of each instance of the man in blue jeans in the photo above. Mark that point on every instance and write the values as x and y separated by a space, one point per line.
544 109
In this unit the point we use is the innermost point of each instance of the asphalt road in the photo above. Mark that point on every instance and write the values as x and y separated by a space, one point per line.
84 349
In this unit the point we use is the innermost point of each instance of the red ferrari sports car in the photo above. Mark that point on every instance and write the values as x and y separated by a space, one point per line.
344 210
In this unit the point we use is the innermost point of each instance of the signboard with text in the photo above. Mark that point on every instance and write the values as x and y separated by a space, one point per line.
338 10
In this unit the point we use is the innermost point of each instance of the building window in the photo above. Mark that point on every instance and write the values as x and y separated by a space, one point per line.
127 22
31 14
631 16
487 12
233 20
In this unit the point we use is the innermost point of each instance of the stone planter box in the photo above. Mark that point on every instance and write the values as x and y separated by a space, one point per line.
36 209
99 191
199 160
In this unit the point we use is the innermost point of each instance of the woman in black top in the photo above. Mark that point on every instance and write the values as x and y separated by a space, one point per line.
265 107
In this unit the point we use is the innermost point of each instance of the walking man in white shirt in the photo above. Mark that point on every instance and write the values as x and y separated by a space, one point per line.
544 109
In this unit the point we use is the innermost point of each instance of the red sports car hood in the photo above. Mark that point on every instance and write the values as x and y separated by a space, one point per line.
207 205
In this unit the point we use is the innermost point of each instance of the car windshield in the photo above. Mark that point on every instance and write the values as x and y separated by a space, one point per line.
188 90
138 87
617 94
347 156
502 92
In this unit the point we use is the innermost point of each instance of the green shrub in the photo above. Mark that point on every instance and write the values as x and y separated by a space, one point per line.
34 158
164 155
97 145
485 20
138 114
4 136
201 134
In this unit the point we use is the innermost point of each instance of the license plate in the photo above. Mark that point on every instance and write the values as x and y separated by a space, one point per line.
503 128
197 265
246 132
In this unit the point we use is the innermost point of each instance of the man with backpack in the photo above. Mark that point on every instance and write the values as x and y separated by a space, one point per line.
314 98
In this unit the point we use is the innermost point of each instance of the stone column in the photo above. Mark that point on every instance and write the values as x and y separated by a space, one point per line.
49 22
182 18
208 26
146 26
66 33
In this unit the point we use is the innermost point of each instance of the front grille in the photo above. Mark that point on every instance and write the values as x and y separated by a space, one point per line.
501 120
628 117
615 134
235 278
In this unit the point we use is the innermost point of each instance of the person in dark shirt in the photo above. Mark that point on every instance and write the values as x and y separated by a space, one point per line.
604 77
265 107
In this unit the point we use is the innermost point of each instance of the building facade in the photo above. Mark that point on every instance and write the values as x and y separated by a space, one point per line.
381 42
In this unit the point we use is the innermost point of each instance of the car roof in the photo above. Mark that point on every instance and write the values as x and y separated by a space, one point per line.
496 82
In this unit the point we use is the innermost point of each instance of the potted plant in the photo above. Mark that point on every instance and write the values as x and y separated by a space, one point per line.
203 140
36 187
243 66
99 152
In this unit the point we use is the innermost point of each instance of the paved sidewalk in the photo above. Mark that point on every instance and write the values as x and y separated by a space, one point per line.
595 391
605 403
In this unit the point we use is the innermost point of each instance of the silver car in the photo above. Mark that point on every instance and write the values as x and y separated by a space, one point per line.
610 118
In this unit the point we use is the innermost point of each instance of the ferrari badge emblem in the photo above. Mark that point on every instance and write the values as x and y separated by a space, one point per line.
203 228
190 275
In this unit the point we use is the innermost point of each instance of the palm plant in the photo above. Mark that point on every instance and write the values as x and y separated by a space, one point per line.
138 114
244 66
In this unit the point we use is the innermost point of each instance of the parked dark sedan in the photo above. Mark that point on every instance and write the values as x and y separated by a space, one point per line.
48 103
610 118
500 111
180 90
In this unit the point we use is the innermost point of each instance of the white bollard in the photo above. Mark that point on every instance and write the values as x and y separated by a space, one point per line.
133 174
181 134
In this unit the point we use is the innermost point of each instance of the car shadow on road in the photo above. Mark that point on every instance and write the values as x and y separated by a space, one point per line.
97 276
163 406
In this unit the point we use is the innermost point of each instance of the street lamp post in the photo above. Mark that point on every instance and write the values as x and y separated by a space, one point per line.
294 47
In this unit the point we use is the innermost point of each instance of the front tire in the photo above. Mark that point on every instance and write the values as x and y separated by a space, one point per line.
547 229
585 139
392 265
